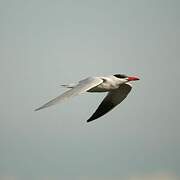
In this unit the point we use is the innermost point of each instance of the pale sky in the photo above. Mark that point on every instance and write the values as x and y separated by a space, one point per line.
47 43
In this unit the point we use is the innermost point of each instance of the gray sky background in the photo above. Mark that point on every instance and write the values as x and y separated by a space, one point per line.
47 43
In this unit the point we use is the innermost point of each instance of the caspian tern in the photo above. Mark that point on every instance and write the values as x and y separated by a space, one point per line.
117 86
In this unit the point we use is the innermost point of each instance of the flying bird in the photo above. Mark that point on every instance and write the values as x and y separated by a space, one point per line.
118 87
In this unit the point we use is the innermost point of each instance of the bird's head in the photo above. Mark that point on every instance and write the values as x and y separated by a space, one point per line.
126 78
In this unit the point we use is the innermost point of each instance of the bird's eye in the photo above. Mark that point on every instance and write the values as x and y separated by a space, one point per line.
120 75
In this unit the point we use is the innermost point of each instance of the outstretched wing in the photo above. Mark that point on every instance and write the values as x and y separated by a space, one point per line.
83 86
112 99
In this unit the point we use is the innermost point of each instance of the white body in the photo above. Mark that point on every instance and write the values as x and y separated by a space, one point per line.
109 83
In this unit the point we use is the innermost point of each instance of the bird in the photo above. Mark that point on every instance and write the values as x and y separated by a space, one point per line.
117 87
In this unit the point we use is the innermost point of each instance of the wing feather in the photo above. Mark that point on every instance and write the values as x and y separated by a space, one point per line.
112 99
83 86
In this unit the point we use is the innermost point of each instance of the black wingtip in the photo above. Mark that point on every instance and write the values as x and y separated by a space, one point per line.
90 119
